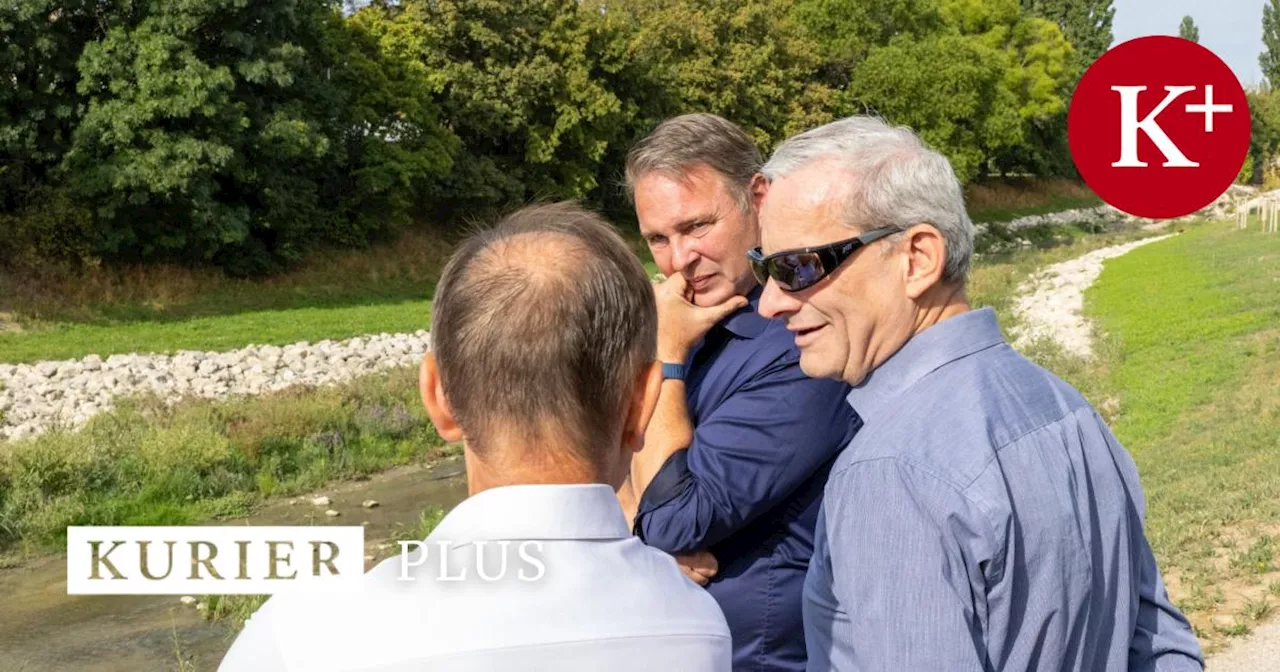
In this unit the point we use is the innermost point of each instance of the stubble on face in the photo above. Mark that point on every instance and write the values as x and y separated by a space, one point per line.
694 226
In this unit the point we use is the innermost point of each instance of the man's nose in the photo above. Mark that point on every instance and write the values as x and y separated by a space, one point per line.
683 253
775 303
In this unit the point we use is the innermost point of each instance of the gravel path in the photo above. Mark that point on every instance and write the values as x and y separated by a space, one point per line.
1051 303
1260 652
38 396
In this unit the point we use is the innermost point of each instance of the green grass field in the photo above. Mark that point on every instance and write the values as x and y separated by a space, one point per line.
225 332
165 309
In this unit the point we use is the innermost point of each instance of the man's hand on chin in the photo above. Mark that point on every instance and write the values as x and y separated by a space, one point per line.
681 323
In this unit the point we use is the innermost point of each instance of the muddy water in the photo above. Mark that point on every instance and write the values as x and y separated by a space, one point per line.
43 628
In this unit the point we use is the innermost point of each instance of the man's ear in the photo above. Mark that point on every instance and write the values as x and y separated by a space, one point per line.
926 259
644 399
434 400
759 187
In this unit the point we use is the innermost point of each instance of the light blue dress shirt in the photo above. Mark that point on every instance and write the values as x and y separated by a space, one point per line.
984 518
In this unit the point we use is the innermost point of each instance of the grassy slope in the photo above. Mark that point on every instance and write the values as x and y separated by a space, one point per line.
334 295
1005 200
224 332
165 309
1194 325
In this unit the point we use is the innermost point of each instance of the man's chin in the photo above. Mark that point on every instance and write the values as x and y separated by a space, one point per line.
714 295
815 366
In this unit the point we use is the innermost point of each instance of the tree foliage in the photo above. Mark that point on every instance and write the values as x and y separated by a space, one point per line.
847 30
1187 30
40 42
1264 138
1269 59
745 61
245 133
523 83
1085 23
976 88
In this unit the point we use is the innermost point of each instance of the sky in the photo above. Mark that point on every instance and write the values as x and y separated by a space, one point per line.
1232 29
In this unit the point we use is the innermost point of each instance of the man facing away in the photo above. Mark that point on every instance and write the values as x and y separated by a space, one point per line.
543 366
734 461
985 517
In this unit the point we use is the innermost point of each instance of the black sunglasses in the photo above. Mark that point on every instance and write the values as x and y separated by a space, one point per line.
795 270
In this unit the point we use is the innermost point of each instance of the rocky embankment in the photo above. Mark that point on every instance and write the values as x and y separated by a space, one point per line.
36 397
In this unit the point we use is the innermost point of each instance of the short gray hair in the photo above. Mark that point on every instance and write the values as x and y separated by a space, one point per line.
898 181
541 324
682 143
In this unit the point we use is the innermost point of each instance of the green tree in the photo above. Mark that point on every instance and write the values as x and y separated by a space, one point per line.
40 42
1270 57
1187 30
1264 137
948 88
744 60
991 78
1085 23
523 85
244 133
847 30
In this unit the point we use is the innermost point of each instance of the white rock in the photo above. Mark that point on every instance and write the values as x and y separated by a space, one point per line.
187 600
369 504
332 514
38 396
322 501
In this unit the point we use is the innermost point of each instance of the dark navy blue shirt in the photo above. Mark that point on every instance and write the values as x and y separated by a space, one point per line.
750 486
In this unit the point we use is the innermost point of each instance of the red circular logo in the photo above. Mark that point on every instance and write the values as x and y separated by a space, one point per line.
1159 127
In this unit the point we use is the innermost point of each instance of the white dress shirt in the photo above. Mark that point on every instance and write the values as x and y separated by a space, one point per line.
602 601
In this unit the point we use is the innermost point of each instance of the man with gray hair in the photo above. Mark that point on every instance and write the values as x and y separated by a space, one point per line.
542 365
985 517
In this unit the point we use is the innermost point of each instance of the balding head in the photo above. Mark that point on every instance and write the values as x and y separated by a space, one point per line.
540 326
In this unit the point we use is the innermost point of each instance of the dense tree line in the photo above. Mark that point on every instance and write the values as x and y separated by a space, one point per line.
244 133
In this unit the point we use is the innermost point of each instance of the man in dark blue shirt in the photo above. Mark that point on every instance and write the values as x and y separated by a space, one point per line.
731 475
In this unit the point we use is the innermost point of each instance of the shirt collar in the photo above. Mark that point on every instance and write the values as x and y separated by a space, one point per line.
570 512
927 351
747 322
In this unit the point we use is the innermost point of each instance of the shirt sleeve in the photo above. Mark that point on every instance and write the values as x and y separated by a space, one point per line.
749 454
905 552
1162 640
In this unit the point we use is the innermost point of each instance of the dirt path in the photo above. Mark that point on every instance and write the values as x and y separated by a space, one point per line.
43 628
1051 303
1260 652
